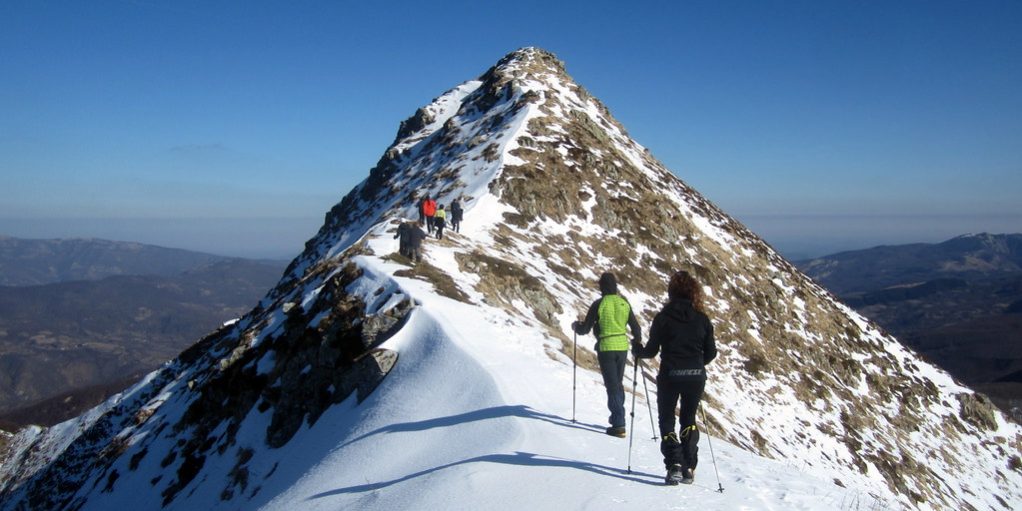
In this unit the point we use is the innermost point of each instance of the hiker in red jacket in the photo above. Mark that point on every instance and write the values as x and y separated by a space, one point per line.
429 210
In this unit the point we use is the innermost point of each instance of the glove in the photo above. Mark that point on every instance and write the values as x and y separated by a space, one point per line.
574 326
636 347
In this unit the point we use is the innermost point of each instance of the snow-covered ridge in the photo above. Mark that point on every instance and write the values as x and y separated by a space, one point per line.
809 405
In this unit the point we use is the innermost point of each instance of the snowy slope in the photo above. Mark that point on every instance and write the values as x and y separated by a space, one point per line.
809 406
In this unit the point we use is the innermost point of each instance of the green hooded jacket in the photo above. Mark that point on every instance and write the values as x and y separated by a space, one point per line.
611 318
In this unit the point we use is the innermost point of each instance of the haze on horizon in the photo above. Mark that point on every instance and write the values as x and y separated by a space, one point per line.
233 128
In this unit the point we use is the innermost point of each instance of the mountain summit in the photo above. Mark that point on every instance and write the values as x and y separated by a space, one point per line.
362 381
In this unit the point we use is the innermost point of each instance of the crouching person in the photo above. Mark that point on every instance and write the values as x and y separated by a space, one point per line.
402 235
415 237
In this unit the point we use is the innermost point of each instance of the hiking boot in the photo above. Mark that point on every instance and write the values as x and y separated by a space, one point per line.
674 475
618 431
688 476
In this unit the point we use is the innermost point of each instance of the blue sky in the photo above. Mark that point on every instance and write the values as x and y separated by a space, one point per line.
232 127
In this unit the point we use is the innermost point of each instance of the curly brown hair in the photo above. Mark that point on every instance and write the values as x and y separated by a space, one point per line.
683 286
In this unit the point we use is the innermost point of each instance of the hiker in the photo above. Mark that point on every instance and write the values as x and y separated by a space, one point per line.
439 220
415 237
403 230
683 335
429 209
608 317
456 215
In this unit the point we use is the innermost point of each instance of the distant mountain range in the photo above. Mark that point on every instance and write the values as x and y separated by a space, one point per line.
98 313
30 262
970 257
958 303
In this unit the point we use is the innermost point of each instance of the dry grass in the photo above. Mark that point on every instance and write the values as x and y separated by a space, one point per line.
583 356
442 282
503 283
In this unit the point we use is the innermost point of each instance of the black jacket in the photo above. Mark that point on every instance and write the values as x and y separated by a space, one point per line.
684 338
456 212
415 236
402 233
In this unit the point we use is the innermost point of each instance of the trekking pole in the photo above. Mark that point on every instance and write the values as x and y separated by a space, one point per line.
648 405
631 429
720 488
574 370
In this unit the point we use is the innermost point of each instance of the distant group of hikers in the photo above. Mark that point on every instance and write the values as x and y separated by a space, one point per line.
683 335
434 217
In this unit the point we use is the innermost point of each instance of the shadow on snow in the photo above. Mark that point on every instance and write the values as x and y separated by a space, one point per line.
518 458
527 459
478 415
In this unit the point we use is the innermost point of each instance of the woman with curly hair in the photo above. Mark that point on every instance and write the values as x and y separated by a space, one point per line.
683 335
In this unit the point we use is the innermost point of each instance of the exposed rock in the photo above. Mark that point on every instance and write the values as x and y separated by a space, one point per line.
377 328
977 410
414 123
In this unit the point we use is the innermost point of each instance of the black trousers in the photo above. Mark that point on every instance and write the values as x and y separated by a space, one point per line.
684 449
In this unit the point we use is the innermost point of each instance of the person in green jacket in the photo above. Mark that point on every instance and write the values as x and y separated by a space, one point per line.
610 318
439 221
